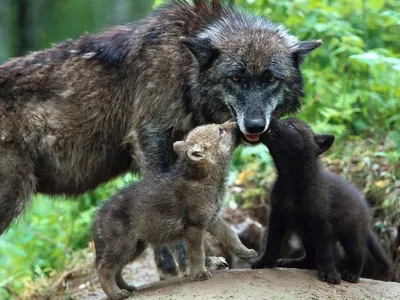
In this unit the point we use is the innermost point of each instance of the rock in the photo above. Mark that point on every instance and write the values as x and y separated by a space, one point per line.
267 284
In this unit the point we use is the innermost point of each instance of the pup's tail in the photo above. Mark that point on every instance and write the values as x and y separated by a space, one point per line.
374 246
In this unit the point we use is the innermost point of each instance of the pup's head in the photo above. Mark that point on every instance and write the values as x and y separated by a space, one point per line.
293 138
251 66
210 144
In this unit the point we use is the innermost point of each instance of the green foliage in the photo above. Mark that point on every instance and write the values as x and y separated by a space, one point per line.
352 79
50 235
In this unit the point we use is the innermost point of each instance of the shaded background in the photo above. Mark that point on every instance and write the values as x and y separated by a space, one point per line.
27 25
352 83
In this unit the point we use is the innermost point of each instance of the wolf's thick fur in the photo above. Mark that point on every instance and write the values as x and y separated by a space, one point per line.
320 206
164 208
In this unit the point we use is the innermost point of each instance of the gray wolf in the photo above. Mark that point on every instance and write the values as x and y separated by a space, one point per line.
90 109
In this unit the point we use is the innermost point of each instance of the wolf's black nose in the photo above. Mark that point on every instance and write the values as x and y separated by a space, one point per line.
254 125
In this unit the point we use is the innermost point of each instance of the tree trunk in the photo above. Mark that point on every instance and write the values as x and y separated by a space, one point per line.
24 39
4 31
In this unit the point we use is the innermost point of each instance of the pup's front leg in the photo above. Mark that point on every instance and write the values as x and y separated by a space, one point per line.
224 233
194 238
275 234
324 256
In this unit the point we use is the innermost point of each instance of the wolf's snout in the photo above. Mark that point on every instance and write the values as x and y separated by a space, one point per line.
255 126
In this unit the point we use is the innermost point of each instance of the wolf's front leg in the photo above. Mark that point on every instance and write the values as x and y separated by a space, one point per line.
153 153
194 238
224 233
152 148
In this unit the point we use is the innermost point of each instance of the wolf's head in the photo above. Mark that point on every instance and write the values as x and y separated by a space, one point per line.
292 139
252 66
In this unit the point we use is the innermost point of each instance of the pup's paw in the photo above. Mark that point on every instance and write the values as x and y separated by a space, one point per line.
350 276
214 263
281 263
262 264
248 253
120 295
131 288
201 276
331 277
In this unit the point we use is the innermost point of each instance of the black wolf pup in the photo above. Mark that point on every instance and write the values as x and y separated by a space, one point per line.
320 206
168 207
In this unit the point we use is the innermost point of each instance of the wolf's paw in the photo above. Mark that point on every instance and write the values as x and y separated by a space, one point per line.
350 276
214 263
331 277
120 295
248 253
201 276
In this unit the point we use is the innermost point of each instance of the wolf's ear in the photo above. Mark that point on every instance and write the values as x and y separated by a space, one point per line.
201 49
195 153
301 49
110 50
178 147
324 141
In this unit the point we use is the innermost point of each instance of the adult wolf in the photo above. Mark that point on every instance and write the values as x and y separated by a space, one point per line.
86 110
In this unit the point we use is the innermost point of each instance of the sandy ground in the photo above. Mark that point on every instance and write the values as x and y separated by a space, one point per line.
268 284
87 287
249 284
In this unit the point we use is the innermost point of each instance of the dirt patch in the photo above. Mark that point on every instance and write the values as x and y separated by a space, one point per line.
267 284
84 285
280 284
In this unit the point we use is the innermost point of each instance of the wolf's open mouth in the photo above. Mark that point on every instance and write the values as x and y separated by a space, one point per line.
252 138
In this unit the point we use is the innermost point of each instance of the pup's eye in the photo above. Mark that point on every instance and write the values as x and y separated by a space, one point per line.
290 125
236 79
221 131
272 79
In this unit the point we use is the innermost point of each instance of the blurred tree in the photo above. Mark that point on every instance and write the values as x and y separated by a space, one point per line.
23 22
27 25
3 30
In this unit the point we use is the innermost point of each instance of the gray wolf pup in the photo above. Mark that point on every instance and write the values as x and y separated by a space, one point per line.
168 207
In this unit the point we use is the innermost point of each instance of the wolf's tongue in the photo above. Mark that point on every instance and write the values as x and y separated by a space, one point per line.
252 138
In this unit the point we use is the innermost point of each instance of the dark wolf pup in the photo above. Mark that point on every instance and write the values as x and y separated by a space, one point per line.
320 206
89 109
163 208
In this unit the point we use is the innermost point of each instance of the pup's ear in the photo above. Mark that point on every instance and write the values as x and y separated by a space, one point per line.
195 153
178 147
301 49
324 141
201 49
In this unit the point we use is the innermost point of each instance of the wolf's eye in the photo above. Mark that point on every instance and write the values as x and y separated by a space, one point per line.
236 79
271 79
290 125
